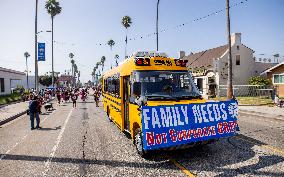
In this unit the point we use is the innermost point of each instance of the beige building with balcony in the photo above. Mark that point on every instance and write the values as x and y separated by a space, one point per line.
210 67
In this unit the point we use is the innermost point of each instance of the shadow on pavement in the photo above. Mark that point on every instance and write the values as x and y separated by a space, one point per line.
48 129
228 157
111 163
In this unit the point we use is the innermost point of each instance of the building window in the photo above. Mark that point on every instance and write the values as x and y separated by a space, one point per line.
238 59
238 47
278 78
2 86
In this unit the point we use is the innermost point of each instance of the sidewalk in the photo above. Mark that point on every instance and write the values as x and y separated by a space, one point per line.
266 111
12 111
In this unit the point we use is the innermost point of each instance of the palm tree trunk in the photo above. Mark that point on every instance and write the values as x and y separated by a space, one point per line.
52 52
230 73
27 73
125 54
72 74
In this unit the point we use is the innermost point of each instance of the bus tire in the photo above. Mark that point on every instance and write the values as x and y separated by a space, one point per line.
138 142
108 114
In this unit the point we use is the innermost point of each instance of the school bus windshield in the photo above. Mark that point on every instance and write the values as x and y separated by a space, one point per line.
166 84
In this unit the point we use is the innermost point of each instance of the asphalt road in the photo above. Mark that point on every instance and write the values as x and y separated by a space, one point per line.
82 142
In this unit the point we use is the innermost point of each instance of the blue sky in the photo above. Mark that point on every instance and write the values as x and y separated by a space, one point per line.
84 25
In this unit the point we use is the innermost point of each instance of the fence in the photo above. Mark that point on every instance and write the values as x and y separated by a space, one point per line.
247 94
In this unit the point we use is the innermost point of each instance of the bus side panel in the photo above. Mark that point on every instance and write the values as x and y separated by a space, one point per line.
112 103
116 115
134 119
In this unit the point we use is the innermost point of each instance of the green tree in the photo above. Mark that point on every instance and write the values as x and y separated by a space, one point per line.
257 80
46 80
53 8
126 23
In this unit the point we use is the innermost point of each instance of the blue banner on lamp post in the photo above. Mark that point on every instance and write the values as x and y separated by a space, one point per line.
41 51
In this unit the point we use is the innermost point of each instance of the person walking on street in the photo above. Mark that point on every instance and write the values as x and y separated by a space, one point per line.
58 95
74 99
34 108
97 97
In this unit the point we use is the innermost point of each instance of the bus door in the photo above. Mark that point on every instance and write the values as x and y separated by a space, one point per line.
126 98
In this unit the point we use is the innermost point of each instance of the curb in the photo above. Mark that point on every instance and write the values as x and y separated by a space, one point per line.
12 117
2 122
15 102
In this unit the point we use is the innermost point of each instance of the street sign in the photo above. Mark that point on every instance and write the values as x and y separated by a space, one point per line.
41 51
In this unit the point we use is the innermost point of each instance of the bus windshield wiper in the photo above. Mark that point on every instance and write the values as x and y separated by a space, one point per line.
190 97
162 97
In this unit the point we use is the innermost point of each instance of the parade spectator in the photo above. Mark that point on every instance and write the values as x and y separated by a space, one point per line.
34 108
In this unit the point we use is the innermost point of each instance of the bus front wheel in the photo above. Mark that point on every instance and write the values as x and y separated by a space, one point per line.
138 141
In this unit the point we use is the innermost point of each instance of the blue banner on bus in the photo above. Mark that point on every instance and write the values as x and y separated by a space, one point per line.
167 126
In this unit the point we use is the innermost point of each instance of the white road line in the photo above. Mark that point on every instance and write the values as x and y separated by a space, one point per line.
47 163
21 140
7 152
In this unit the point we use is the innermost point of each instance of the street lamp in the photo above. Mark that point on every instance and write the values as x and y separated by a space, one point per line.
36 64
36 33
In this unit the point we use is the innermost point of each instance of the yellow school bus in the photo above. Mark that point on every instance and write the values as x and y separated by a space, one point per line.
145 78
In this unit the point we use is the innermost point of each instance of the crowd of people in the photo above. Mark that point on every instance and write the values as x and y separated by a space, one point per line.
41 99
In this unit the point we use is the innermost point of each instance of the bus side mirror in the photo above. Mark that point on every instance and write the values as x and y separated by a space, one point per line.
137 88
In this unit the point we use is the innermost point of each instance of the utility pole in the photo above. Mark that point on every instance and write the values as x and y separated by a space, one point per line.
36 64
52 52
157 25
230 73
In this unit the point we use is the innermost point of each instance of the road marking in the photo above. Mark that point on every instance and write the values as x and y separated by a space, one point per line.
47 163
265 146
7 152
21 140
181 167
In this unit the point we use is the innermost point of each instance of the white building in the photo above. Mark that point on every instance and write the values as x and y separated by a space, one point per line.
210 67
10 79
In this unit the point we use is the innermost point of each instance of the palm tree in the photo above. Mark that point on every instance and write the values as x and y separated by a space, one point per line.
75 72
75 68
53 8
103 59
230 72
116 58
98 64
71 55
27 55
126 22
79 74
111 43
94 71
